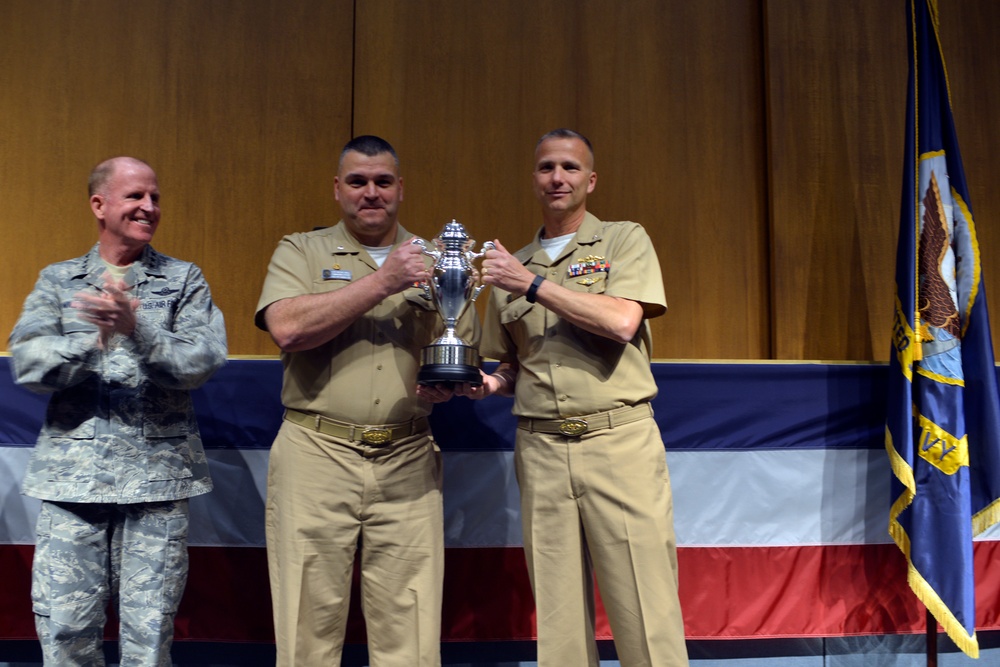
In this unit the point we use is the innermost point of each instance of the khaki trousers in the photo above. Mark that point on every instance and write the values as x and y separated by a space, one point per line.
324 496
601 504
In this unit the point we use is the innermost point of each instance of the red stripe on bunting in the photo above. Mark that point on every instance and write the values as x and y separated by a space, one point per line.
726 593
16 621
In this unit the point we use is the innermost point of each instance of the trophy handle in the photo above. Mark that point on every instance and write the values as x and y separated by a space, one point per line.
436 255
489 245
472 256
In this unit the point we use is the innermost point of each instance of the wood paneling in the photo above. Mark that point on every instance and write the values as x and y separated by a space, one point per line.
837 81
836 95
670 94
238 106
759 142
972 57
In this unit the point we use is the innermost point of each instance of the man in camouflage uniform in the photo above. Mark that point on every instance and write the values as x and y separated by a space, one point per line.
118 337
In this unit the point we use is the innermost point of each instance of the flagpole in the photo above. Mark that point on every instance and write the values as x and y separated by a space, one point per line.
931 639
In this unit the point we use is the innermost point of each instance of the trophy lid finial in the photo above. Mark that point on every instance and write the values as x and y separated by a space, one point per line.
454 236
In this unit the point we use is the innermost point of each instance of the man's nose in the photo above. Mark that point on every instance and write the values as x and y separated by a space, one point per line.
370 191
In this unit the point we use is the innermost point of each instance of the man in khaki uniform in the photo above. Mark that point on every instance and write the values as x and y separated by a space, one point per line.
567 320
354 459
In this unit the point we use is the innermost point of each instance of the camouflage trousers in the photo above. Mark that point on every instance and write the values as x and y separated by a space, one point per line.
134 556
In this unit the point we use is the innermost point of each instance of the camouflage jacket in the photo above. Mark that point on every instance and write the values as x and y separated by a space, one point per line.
119 427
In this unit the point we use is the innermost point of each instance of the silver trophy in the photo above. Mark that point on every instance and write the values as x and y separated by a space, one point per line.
452 287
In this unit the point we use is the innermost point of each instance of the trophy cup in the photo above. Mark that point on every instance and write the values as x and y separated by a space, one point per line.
452 288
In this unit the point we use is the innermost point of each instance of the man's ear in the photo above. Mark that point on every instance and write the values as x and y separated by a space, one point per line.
97 206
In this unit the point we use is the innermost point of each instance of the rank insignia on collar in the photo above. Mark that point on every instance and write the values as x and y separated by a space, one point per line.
589 264
336 273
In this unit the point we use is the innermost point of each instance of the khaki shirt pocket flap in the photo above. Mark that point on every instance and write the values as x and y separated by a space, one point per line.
415 295
515 310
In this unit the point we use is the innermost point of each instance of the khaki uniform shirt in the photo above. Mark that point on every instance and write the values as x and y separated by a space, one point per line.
120 426
565 371
368 373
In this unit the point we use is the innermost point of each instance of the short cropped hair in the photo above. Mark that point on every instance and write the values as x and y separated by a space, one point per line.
566 133
103 172
370 145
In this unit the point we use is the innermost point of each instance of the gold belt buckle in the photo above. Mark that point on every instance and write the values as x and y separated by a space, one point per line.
376 436
573 426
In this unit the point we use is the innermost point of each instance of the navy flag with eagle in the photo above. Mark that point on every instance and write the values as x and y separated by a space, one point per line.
943 423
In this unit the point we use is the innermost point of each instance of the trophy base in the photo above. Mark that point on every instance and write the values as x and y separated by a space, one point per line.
449 364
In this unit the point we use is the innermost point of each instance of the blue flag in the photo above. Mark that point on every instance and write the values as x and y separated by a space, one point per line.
943 423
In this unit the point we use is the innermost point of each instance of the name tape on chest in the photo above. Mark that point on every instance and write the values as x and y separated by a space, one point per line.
157 304
336 273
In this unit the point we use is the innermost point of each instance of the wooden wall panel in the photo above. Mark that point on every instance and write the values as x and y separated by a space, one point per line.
837 101
836 95
670 94
237 105
760 143
972 56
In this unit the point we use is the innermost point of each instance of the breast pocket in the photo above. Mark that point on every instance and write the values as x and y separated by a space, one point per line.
514 311
72 324
415 296
321 286
415 320
158 302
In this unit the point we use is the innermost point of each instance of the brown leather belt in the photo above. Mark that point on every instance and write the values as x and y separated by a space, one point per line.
575 426
370 435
